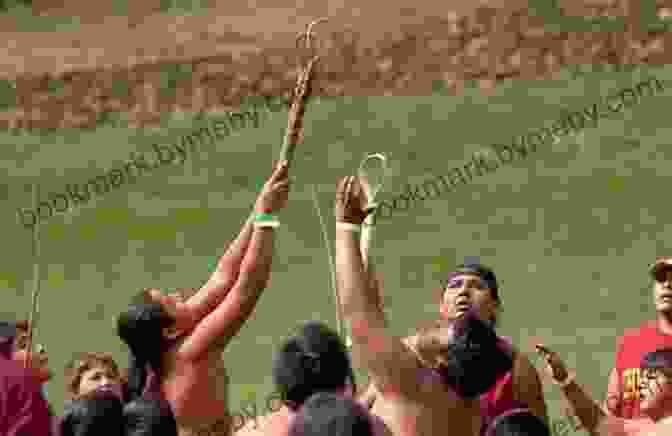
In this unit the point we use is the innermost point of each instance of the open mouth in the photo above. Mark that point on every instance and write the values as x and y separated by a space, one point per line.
463 307
667 298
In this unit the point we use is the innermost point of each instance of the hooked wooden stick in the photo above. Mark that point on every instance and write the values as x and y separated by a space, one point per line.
36 278
297 109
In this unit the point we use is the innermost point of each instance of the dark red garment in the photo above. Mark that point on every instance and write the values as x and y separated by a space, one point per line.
500 398
632 346
23 409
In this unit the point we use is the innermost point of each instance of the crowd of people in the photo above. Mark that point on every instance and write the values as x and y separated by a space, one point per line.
454 376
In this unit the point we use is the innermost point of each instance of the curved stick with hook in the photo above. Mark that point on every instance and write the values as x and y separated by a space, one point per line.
367 229
300 95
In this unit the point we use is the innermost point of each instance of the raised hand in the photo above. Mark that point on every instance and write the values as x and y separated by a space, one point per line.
351 201
273 196
554 367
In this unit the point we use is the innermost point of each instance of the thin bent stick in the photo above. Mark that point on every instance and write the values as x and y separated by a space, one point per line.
371 194
36 277
332 270
370 221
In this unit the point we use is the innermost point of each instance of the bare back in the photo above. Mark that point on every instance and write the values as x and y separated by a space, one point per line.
433 410
274 424
198 393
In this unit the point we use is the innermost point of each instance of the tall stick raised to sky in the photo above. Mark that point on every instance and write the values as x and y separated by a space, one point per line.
36 277
300 96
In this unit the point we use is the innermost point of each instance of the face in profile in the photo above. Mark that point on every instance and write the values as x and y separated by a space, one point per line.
662 290
37 360
655 389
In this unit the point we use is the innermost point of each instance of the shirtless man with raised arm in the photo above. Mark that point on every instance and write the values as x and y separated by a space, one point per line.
430 398
176 346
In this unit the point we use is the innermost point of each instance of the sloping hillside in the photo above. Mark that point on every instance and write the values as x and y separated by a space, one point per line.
144 63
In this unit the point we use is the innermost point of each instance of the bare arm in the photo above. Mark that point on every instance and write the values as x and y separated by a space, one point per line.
368 397
527 386
588 411
612 405
391 365
225 275
614 402
226 320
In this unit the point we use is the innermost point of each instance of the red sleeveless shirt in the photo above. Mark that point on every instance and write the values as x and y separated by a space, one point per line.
500 397
632 346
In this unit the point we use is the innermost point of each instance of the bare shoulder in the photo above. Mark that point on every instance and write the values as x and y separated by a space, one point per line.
275 423
521 362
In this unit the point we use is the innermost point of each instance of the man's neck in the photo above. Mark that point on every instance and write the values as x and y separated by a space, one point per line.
665 419
664 323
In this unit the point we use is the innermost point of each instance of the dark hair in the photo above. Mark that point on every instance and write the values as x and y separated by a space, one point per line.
328 414
659 359
95 414
314 360
484 272
149 417
141 328
7 334
473 360
518 422
83 362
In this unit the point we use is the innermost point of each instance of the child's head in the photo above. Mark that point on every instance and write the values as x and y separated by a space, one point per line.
87 372
329 414
518 422
14 345
656 383
314 360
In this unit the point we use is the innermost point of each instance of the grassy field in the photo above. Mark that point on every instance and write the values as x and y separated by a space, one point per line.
570 230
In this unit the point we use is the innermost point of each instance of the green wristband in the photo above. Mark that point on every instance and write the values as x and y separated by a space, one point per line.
264 217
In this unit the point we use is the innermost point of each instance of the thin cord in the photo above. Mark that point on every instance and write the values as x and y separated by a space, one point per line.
36 277
332 268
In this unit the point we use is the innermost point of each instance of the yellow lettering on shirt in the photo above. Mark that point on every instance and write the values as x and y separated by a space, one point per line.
631 382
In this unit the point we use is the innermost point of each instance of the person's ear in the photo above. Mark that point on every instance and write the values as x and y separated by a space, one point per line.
444 311
172 332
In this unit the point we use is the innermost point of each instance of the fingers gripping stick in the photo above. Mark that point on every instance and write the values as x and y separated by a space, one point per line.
370 189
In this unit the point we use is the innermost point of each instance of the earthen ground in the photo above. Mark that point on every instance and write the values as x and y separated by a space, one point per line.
240 49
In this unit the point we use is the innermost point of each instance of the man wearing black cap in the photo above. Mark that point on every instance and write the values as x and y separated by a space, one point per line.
623 393
23 409
473 287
